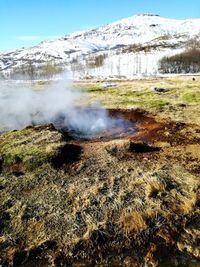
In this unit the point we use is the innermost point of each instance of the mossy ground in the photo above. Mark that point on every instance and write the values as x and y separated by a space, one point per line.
25 150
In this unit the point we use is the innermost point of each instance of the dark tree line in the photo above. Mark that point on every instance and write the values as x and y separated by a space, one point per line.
185 62
96 62
31 71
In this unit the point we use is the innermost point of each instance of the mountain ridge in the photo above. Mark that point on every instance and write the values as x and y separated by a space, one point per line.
110 39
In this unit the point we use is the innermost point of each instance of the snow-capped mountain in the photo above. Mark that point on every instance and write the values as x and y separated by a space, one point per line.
128 47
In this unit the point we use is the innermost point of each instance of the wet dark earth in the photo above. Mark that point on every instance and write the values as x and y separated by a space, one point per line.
124 124
112 126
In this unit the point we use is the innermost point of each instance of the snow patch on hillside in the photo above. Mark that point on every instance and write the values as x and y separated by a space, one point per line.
161 36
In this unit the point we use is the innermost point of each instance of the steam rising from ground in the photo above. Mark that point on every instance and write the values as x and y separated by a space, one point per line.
21 106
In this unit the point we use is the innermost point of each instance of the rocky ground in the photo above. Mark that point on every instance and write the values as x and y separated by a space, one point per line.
131 201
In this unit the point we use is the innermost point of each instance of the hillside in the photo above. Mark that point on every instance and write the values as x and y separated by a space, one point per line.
128 47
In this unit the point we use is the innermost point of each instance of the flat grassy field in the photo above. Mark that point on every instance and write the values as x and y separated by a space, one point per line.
180 102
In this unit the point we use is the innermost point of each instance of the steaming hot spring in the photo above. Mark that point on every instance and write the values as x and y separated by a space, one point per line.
95 124
21 106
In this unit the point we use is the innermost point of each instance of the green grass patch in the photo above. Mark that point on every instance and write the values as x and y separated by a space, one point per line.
19 150
156 104
92 89
191 98
137 94
29 156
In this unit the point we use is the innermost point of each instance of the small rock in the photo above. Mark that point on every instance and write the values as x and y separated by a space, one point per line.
161 89
181 105
108 85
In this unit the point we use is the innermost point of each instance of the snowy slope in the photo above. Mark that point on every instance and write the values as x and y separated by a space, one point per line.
161 36
141 29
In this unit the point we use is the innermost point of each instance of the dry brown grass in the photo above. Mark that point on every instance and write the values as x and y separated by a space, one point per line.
131 223
110 199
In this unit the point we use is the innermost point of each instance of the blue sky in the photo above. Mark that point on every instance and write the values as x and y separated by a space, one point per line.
24 23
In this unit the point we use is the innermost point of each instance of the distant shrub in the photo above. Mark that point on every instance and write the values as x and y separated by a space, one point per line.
2 76
32 71
137 48
49 70
95 62
24 71
185 62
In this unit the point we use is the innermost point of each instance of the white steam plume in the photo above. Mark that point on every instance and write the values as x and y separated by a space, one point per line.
23 106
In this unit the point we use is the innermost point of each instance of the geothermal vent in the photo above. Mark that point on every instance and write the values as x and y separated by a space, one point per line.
96 124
